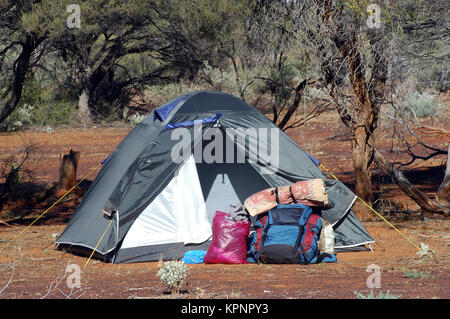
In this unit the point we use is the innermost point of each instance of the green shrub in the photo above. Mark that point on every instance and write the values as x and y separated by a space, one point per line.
136 118
218 79
40 106
44 114
54 113
422 105
161 93
380 295
416 274
18 118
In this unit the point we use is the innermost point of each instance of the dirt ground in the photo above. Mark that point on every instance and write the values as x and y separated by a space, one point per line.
30 267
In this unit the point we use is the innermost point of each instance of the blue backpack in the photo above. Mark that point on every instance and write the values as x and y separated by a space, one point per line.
287 234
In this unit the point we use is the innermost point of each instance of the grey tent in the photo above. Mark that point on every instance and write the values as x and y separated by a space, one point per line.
156 194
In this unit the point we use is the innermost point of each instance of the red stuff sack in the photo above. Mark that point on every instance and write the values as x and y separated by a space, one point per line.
228 245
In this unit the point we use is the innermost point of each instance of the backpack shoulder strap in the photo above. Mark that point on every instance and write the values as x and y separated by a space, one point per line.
277 199
292 195
322 256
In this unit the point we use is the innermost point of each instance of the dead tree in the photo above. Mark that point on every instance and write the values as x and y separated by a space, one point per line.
406 186
68 170
443 193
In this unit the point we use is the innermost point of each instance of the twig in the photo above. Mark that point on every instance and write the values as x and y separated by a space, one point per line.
5 223
10 279
54 286
41 259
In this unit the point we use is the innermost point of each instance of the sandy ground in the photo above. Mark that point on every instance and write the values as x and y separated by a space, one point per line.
30 267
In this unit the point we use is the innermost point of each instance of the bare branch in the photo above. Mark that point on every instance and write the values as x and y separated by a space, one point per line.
55 286
10 265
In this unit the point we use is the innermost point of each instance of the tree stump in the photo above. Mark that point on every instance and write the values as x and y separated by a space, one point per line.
68 170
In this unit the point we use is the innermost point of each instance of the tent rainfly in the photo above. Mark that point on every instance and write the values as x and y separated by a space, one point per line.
194 155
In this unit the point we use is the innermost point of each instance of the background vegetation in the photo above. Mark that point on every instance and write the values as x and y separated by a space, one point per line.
369 64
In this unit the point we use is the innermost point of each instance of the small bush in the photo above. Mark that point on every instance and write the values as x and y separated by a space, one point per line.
40 105
380 295
136 118
425 251
54 113
173 274
13 177
211 78
21 116
416 274
422 105
161 93
17 173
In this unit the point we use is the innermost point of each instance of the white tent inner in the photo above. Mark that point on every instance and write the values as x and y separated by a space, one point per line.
177 214
220 195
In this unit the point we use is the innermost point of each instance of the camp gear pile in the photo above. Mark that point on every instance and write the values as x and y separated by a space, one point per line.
285 234
310 192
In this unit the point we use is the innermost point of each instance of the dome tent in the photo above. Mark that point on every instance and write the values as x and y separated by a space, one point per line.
159 196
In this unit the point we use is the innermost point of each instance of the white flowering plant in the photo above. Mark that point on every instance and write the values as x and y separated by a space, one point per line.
174 274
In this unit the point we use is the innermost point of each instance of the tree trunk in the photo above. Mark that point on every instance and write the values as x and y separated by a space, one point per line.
68 170
90 82
236 75
20 70
363 125
83 107
362 154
